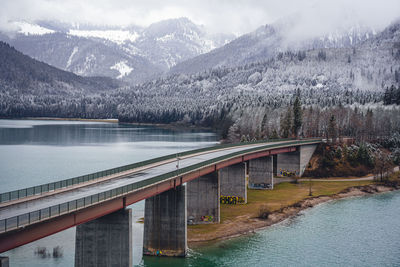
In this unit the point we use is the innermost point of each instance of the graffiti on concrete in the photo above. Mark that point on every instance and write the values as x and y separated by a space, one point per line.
159 253
207 218
232 200
260 186
287 173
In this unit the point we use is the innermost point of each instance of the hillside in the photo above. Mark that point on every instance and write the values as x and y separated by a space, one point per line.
325 77
266 42
23 79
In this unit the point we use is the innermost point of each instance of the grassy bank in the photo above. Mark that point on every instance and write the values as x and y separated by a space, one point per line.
240 217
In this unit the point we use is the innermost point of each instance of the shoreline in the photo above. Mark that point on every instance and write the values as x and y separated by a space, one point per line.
160 125
62 119
245 226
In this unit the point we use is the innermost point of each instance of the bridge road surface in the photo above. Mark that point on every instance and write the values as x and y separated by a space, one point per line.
86 191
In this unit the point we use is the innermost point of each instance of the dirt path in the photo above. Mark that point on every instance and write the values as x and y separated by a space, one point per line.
365 178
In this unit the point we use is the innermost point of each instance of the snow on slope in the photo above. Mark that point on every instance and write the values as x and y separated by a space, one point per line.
71 56
116 36
123 68
31 29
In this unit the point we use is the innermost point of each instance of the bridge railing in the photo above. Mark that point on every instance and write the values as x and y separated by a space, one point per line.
74 205
49 187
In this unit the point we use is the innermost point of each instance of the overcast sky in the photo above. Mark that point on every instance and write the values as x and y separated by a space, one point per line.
234 16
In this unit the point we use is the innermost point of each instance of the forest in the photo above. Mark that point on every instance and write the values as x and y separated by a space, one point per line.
330 92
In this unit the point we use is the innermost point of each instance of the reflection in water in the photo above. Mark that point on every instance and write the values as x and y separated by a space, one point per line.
72 134
36 152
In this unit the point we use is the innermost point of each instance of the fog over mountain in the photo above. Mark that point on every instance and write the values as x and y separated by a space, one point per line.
137 41
267 41
234 16
133 54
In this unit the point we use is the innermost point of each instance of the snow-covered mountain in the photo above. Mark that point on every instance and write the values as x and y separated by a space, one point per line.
169 42
326 77
267 41
132 54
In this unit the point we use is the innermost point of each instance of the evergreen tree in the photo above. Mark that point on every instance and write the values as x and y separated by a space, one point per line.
332 128
264 129
286 123
387 98
297 116
274 134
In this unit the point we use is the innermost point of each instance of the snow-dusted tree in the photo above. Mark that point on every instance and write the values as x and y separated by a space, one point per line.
234 133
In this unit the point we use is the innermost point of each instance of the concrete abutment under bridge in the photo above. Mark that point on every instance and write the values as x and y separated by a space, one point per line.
233 183
165 224
203 204
294 163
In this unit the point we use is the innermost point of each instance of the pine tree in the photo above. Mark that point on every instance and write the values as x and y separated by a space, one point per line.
264 130
274 134
332 128
387 98
286 123
297 116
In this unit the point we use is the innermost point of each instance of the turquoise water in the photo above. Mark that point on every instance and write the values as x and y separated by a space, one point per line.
361 231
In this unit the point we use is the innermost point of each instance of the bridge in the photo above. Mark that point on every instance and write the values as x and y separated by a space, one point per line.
177 189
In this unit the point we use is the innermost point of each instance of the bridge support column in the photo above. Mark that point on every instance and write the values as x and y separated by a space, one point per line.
165 225
261 173
233 182
294 163
106 241
203 199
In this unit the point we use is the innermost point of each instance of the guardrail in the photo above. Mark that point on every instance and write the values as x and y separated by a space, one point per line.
49 187
64 208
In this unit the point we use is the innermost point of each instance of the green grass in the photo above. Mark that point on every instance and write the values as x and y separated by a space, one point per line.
284 194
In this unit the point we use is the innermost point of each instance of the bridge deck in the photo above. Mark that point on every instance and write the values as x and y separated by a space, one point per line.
86 201
12 210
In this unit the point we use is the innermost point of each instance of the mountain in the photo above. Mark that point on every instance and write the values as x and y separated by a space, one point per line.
30 88
133 54
24 74
171 41
267 41
84 56
325 78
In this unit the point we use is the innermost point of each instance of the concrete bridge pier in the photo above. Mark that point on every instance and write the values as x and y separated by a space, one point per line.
233 182
261 173
294 163
106 241
203 199
165 224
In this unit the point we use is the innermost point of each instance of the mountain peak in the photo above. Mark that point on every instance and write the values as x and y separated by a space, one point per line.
178 26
